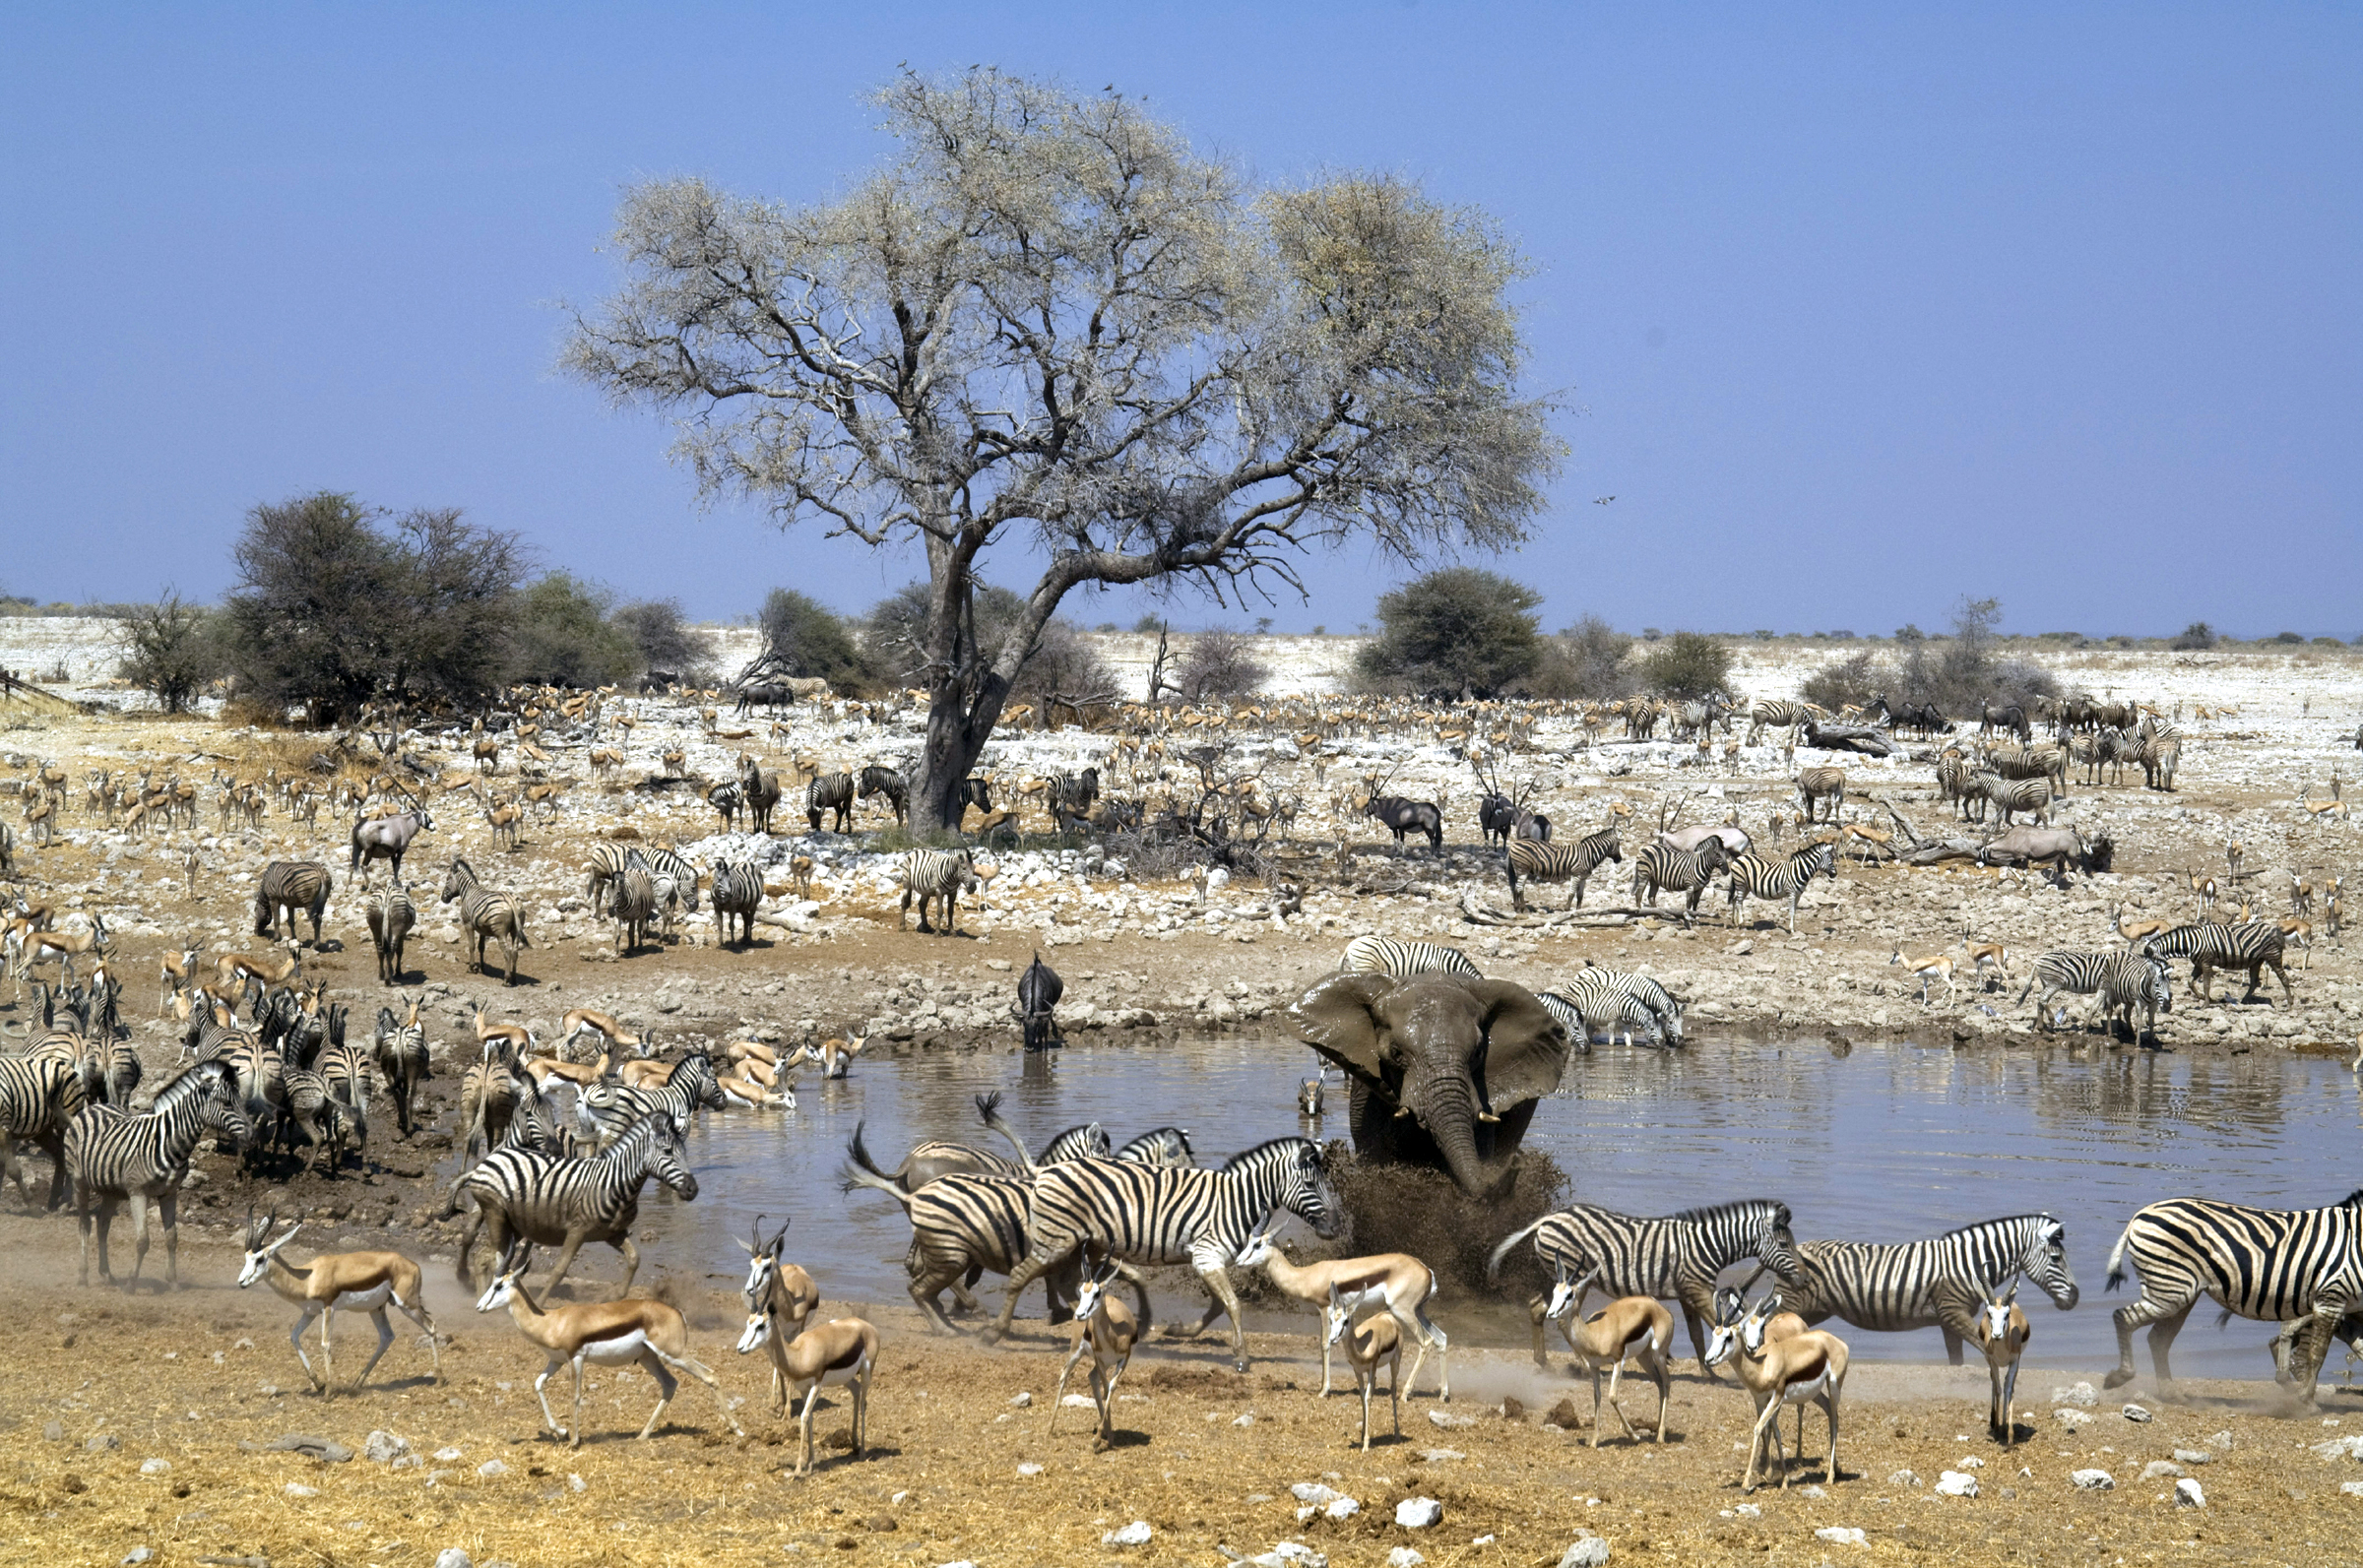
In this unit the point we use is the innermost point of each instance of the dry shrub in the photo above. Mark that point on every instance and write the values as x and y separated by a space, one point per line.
1413 1209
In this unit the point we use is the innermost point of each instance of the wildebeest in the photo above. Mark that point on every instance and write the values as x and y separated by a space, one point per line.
1401 816
771 693
387 838
1037 992
2007 716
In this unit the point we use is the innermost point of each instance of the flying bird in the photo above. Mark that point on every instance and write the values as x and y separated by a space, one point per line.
1601 500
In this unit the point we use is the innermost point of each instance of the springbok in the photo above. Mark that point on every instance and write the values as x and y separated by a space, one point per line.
1396 1281
1807 1367
2001 1330
1107 1327
1375 1340
1636 1328
1937 966
332 1283
841 1350
607 1332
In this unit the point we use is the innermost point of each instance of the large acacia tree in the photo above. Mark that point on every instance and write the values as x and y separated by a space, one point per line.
1049 325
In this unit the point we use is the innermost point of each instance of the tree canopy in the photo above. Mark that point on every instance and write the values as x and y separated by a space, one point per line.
1050 319
1455 630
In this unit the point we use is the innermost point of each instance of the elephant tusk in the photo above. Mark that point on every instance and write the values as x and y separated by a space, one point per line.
1486 1116
1402 1111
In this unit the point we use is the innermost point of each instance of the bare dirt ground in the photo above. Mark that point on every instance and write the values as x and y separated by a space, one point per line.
147 1421
1145 961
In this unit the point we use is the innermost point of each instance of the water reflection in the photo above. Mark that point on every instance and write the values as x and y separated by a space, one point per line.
1883 1143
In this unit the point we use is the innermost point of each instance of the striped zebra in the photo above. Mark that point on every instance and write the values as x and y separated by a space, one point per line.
827 793
485 915
880 780
1661 868
1940 1282
345 1068
1598 996
1561 862
558 1200
399 1049
633 906
289 888
1147 1215
2271 1265
606 1112
2117 980
39 1097
2158 748
929 875
1674 1258
309 1108
1750 874
392 916
934 1157
1626 1017
760 791
1162 1145
603 868
1776 714
966 1224
737 894
2012 797
114 1157
676 881
1825 785
2253 945
1384 955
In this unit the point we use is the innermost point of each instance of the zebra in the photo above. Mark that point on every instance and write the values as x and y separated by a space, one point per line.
607 1111
309 1108
760 792
39 1097
2030 797
1676 1258
2252 945
1561 863
2117 980
931 874
934 1157
391 915
556 1200
1384 955
880 780
486 914
1072 794
1825 785
965 1224
1661 868
400 1051
2272 1265
1777 715
603 867
1940 1282
345 1068
1625 1014
633 907
737 894
675 878
1144 1215
1751 873
114 1157
1161 1145
289 887
1597 995
830 792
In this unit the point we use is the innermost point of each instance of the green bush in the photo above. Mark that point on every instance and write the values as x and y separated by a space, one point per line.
1586 663
811 639
559 635
1689 664
1453 631
666 641
170 649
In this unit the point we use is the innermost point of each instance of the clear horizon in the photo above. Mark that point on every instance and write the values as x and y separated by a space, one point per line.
1856 311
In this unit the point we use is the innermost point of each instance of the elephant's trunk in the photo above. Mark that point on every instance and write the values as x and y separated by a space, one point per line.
1450 1113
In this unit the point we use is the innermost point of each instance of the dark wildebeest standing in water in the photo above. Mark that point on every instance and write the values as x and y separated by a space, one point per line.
1037 992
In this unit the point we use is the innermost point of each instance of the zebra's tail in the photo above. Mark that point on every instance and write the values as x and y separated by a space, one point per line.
2117 1256
1493 1263
516 925
2026 990
863 1171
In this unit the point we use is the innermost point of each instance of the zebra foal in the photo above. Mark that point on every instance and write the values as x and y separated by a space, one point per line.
289 888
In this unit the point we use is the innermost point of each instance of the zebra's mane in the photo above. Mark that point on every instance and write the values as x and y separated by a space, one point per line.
2352 1200
1716 1210
1245 1155
2005 1219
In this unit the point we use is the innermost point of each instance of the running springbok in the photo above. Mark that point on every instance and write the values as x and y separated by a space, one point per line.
841 1350
607 1333
334 1282
1636 1328
1107 1327
1397 1282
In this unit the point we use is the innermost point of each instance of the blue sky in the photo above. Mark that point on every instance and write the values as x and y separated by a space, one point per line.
1855 309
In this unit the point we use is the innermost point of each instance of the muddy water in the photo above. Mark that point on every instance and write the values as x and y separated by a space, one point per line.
1885 1143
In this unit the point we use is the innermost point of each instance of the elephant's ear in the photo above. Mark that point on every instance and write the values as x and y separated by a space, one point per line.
1339 1018
1525 1048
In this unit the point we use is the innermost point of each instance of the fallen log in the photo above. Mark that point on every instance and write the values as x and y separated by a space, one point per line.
1868 740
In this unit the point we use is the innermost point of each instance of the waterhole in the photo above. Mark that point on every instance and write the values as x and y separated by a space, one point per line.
1885 1142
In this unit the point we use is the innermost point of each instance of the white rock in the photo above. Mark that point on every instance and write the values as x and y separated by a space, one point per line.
299 1489
1021 1399
453 1557
1136 1534
2084 1394
2071 1418
1404 1557
138 1555
1448 1418
1956 1484
1442 1455
1247 1419
156 1466
2187 1494
446 1456
383 1448
577 1485
2193 1456
1903 1477
1078 1402
1748 1510
2340 1447
1313 1492
1970 1462
2134 1412
2092 1481
1418 1512
1306 1513
492 1468
1342 1508
2160 1469
1589 1552
1029 1468
2351 1488
1841 1536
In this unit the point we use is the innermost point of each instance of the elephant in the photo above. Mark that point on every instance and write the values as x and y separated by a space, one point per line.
1446 1069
